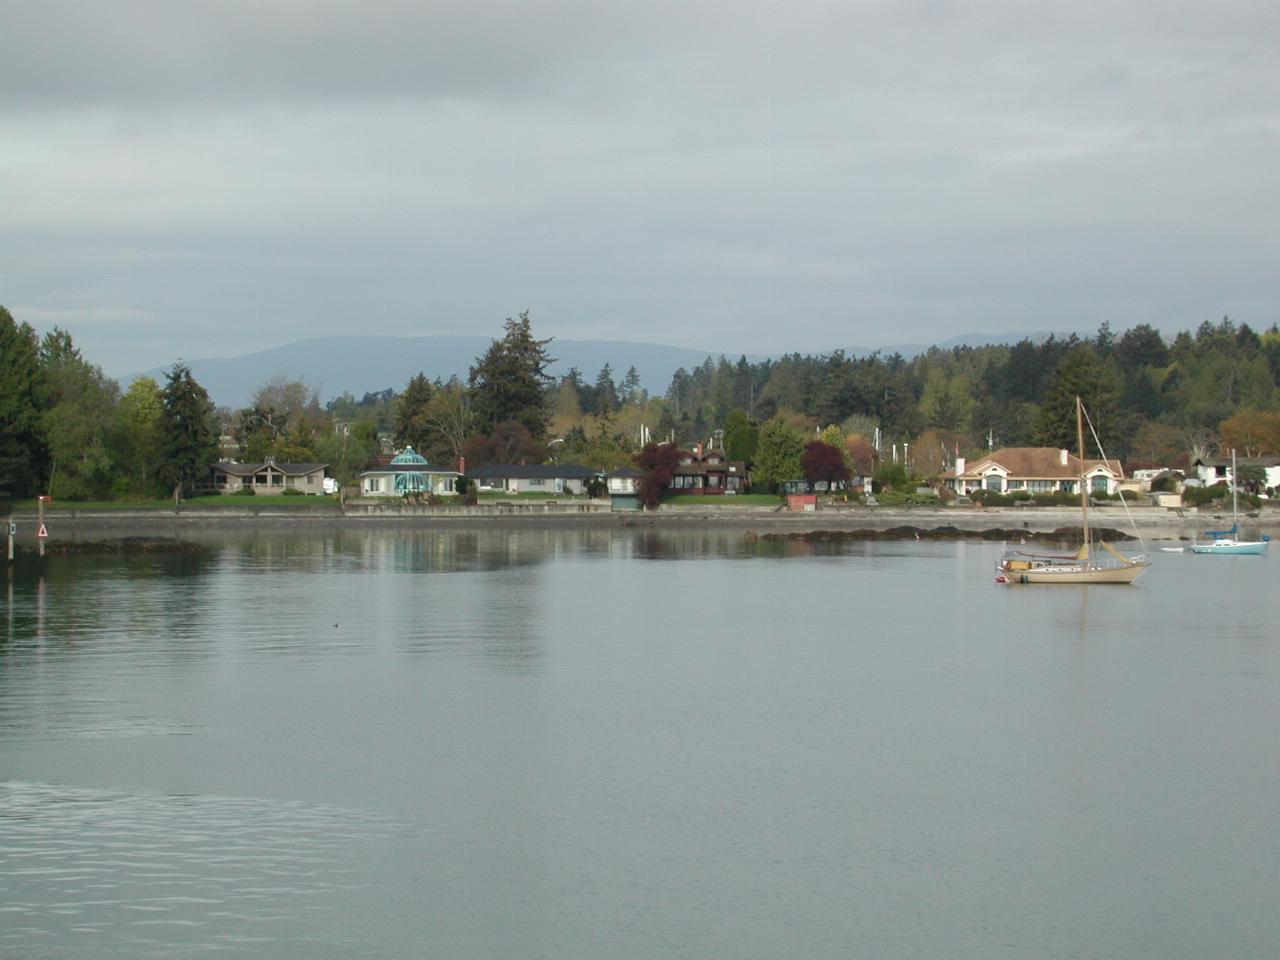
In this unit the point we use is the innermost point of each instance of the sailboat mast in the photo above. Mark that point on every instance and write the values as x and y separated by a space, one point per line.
1084 496
1235 520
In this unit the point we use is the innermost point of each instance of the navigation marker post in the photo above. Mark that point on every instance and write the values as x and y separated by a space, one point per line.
13 533
42 531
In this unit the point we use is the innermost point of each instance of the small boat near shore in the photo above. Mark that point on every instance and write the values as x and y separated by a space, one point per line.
1228 542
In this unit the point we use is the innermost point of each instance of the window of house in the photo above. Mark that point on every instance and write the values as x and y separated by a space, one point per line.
1041 486
1017 484
373 485
1098 484
536 482
995 483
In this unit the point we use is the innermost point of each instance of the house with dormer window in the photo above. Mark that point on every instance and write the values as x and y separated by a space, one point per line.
708 470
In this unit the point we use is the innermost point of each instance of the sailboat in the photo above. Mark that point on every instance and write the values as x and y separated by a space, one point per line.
1227 541
1018 566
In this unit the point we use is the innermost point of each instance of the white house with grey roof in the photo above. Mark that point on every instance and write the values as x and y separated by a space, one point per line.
532 478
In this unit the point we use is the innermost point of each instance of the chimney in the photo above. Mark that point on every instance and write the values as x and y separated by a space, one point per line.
462 464
959 465
1062 457
697 449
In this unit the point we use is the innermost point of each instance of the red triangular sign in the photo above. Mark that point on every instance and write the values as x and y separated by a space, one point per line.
42 532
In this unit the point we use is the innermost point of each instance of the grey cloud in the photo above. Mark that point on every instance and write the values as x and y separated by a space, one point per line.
750 177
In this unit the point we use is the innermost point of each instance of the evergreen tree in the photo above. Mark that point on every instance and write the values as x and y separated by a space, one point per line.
605 393
187 427
740 437
778 454
508 380
412 426
1082 374
630 390
22 449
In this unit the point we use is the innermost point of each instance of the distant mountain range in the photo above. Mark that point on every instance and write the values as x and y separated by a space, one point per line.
359 365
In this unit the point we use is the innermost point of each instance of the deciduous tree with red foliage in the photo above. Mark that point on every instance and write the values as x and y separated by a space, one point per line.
823 462
659 462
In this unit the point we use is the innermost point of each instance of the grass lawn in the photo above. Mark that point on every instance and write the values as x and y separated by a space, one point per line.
737 500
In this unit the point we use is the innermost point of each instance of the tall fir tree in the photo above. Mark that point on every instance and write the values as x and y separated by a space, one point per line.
508 381
188 429
412 428
1095 381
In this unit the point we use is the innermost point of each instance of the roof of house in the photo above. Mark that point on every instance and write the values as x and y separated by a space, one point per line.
531 471
624 472
1040 463
1270 460
249 469
385 468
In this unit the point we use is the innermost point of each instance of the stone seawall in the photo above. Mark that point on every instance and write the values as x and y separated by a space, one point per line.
80 525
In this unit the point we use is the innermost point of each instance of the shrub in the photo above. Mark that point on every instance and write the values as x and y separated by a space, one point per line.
292 492
242 492
1021 496
1200 496
989 498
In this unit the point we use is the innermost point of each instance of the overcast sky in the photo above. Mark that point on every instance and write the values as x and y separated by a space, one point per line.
209 179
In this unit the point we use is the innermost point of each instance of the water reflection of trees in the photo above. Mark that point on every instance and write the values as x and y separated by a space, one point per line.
66 603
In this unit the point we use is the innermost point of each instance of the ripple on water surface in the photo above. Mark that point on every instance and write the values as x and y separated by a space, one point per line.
183 874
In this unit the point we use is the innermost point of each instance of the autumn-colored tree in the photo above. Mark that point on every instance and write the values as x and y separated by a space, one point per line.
823 463
508 442
658 462
1158 445
1252 432
862 455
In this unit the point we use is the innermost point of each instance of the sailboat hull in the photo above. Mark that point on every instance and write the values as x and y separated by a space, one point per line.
1073 573
1236 547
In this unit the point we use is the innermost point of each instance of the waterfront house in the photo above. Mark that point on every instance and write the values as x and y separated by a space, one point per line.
408 473
1033 469
1211 470
265 479
708 471
624 488
548 478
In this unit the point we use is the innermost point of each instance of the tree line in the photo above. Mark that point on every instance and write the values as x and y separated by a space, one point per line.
67 429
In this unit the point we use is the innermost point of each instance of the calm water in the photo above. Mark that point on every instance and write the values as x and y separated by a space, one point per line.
564 744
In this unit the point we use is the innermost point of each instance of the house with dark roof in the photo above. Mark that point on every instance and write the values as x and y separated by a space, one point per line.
266 479
1034 469
708 471
532 478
